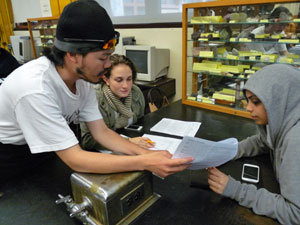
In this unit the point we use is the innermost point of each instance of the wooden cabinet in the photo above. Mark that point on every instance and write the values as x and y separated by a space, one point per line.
42 33
57 6
222 48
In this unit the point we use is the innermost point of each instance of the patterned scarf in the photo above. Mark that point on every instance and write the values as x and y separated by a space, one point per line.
123 109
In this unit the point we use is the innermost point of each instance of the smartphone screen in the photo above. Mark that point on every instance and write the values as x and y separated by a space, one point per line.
135 127
250 173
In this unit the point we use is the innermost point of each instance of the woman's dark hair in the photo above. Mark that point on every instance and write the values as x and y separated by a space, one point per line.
56 56
117 60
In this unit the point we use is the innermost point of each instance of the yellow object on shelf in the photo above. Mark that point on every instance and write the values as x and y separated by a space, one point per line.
250 53
232 39
259 36
203 39
277 36
256 68
221 50
232 57
245 40
269 58
286 60
294 41
292 56
215 63
231 69
206 19
206 54
214 35
264 21
229 75
215 70
242 67
296 20
206 66
191 98
228 91
200 67
250 71
206 100
228 98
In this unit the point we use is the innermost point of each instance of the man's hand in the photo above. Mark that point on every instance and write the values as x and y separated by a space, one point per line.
143 142
217 180
162 164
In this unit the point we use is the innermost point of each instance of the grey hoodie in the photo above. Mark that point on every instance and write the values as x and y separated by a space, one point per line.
278 87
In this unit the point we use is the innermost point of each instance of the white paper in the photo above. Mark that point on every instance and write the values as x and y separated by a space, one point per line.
45 8
206 153
176 127
164 143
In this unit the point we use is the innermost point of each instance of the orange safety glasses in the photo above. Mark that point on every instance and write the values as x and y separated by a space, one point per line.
110 44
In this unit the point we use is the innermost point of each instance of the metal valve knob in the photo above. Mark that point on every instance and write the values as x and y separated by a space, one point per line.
78 208
66 199
80 211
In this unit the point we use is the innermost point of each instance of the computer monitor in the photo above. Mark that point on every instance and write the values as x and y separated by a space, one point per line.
150 62
22 49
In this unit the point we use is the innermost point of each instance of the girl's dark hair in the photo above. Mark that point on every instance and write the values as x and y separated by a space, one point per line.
117 60
56 56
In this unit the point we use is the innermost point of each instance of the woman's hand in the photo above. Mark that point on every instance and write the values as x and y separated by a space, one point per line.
217 180
143 142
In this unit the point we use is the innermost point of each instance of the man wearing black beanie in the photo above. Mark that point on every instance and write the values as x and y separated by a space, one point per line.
42 97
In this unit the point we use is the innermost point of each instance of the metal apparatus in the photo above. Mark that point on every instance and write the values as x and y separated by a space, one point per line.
109 199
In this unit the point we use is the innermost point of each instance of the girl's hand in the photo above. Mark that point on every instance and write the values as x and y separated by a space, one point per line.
143 142
217 180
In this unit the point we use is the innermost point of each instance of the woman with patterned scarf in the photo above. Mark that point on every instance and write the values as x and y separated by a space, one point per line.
120 102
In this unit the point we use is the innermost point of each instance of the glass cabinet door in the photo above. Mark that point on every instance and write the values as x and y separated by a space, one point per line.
42 33
224 44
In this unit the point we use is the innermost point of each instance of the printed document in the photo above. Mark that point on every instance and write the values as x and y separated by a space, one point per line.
206 153
164 143
176 127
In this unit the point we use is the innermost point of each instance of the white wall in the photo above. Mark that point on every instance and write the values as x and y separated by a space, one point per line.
30 9
170 38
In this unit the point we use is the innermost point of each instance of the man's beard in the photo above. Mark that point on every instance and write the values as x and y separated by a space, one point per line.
83 76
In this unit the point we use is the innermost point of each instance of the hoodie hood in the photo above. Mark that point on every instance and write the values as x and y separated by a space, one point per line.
278 88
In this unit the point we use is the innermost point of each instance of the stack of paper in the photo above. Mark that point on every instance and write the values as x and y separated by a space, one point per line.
164 143
206 153
176 127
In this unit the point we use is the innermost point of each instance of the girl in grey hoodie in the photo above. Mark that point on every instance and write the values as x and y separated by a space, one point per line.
273 95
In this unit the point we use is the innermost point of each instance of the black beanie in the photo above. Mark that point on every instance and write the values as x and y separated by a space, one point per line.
83 20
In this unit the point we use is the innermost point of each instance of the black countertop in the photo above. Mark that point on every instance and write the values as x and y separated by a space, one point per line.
186 198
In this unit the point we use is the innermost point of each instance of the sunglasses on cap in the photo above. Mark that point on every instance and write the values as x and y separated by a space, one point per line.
104 44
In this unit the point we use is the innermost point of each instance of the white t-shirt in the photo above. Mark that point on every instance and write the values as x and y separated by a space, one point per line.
37 106
272 48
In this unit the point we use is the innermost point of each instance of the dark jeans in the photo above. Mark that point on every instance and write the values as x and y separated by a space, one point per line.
16 160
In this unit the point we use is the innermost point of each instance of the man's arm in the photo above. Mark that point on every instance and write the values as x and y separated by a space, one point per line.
158 162
111 140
